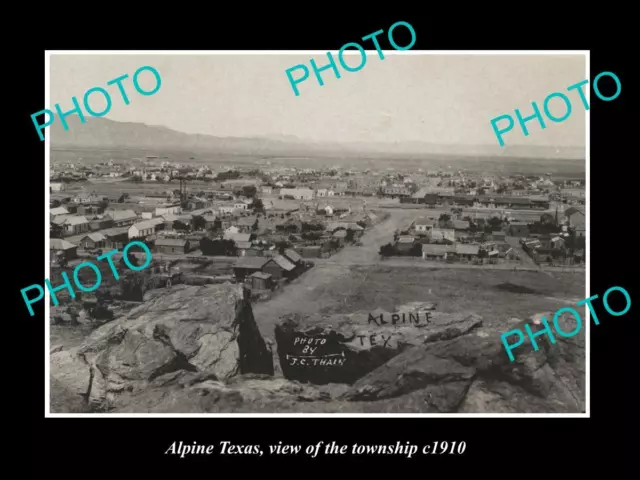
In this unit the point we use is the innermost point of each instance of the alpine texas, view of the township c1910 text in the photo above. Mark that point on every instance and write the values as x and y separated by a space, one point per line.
357 249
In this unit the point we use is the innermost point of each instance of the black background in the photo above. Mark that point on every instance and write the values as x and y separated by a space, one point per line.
495 446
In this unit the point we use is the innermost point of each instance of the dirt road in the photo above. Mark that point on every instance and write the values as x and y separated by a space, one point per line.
301 295
298 295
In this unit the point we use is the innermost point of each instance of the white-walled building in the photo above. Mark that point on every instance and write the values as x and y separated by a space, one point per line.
144 228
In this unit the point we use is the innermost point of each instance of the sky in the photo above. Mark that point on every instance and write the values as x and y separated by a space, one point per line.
438 99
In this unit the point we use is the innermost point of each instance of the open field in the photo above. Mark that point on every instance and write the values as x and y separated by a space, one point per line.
502 165
356 279
490 293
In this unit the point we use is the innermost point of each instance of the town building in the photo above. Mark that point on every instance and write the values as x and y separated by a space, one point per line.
68 249
145 228
74 225
441 234
172 245
297 193
93 240
519 229
261 281
423 225
121 218
437 252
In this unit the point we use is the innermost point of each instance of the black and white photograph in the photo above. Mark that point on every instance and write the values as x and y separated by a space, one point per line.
251 233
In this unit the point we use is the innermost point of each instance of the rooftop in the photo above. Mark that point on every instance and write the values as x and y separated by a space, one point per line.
251 263
60 244
170 242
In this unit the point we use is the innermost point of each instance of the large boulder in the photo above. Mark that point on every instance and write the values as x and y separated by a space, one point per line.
342 349
472 374
199 329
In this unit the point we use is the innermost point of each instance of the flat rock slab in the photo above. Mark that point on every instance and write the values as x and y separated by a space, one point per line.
338 349
473 374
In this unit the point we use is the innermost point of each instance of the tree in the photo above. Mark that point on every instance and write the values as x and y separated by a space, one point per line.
133 287
258 206
133 260
494 224
249 191
350 235
311 235
444 217
254 227
100 312
387 250
199 223
416 250
123 198
217 225
312 227
180 226
55 231
217 247
282 246
548 219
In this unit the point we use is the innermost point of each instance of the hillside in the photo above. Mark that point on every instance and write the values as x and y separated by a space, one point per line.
199 350
103 133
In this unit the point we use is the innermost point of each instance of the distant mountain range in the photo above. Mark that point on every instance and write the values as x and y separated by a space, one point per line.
108 134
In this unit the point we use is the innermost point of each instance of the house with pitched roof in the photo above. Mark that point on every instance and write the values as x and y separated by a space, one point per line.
437 252
575 219
68 249
93 240
116 237
467 251
54 212
423 225
172 245
121 218
74 225
145 228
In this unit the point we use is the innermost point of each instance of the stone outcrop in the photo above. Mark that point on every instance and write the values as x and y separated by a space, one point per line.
342 349
207 329
198 350
472 374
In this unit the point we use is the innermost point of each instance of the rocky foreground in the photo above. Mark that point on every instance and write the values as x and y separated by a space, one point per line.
199 350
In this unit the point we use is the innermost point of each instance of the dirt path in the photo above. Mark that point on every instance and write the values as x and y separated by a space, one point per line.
299 295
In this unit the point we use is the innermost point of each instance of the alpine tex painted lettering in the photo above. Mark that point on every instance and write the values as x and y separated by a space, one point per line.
91 102
352 67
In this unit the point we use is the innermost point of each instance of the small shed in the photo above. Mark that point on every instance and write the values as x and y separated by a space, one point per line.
70 251
246 266
436 252
261 281
93 240
405 243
